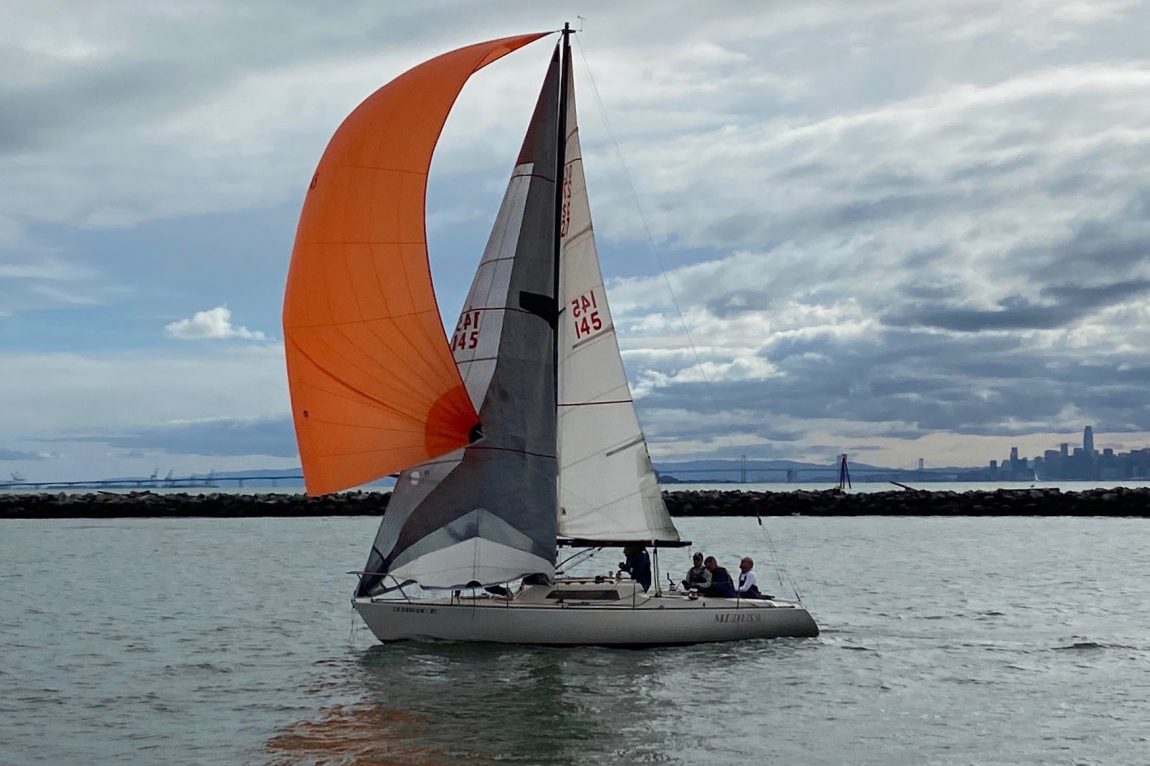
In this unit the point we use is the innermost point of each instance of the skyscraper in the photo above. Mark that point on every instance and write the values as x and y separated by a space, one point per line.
1088 440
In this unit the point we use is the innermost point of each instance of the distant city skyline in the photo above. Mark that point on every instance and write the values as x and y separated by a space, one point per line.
1066 462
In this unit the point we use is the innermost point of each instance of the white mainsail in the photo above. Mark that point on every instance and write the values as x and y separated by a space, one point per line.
608 490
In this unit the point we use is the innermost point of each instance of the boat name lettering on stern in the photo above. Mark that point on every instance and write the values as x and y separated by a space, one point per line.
415 609
738 618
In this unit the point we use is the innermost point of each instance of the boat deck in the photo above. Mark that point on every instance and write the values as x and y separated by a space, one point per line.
584 593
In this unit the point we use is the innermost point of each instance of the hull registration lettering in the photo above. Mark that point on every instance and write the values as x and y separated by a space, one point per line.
738 618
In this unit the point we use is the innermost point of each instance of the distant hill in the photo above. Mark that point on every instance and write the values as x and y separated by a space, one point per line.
717 471
267 477
255 478
694 471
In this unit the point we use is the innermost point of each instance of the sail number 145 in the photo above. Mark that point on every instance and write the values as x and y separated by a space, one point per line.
466 335
585 315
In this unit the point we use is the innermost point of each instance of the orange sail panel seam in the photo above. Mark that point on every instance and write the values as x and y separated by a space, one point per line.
373 382
351 394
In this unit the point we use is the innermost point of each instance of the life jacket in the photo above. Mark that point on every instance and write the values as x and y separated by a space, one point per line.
721 583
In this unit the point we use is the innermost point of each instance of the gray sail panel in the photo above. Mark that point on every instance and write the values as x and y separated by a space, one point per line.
486 513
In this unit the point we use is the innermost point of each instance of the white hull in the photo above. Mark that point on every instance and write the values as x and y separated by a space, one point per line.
635 620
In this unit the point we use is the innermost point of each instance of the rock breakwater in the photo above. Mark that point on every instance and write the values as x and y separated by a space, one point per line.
111 505
1120 501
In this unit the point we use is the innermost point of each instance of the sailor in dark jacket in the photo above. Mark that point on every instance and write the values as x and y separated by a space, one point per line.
638 564
722 586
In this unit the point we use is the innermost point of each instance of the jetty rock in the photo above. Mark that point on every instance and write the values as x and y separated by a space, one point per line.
144 504
1117 501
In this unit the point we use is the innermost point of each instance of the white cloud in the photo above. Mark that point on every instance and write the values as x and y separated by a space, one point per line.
64 297
36 278
70 396
839 185
52 269
214 323
83 393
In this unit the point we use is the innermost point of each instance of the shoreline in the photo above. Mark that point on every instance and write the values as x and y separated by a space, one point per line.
1116 502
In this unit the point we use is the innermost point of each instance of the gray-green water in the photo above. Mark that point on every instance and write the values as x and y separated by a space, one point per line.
945 641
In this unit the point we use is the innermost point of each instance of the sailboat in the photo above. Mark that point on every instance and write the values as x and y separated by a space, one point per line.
514 436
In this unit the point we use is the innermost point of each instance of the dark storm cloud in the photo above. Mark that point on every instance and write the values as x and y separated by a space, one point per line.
980 171
148 61
1079 298
918 382
1101 246
739 302
877 210
109 93
1067 305
1005 317
932 291
731 420
713 447
873 208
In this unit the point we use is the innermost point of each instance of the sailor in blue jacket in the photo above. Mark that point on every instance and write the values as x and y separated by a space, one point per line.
637 564
722 586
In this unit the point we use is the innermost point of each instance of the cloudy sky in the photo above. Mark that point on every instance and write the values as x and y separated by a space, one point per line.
892 228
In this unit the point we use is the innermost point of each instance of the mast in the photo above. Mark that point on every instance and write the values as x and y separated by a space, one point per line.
561 161
560 186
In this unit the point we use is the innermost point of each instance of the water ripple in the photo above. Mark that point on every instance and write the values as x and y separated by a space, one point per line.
942 643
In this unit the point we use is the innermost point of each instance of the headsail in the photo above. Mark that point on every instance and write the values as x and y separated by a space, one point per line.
486 513
608 490
373 382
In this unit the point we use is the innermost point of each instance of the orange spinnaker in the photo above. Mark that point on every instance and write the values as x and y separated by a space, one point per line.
374 385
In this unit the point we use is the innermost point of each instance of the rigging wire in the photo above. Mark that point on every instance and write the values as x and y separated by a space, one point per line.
586 553
780 567
643 219
781 570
